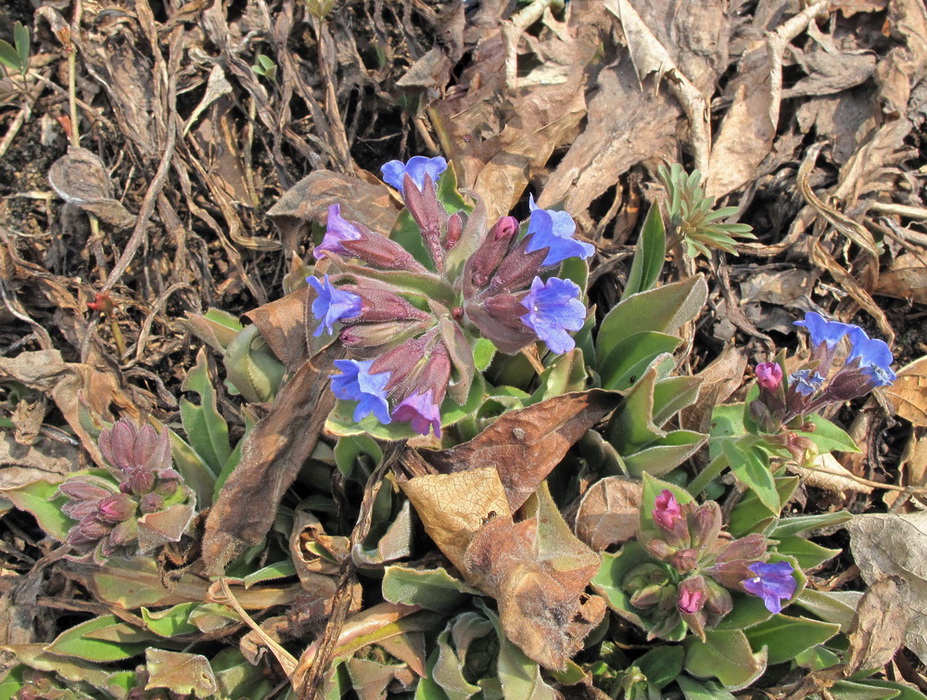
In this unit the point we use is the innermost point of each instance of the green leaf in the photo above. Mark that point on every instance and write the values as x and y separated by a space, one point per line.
702 690
725 655
432 589
172 621
447 671
9 56
904 692
751 466
805 523
662 664
828 437
39 499
207 431
673 394
785 637
196 474
748 611
350 448
806 553
631 356
448 194
235 458
67 667
252 367
664 455
749 515
566 373
648 254
862 690
663 310
483 352
407 234
271 572
83 641
838 607
237 678
12 682
817 658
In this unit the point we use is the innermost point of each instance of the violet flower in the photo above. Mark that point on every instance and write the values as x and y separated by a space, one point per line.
806 381
332 305
773 583
338 230
421 411
823 331
874 357
554 307
356 383
554 230
416 168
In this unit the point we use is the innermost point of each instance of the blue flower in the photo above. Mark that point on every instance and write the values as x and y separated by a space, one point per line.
356 383
554 230
874 357
554 308
824 331
806 381
332 305
421 411
773 583
337 231
395 171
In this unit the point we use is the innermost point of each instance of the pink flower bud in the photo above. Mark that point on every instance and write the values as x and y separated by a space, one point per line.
692 595
769 375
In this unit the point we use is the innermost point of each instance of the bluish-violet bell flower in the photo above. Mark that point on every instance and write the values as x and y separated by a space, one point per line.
806 381
356 383
337 231
875 357
421 412
823 331
554 307
773 583
554 230
332 305
395 171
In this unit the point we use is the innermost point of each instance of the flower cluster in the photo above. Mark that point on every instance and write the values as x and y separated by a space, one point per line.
696 567
411 323
815 384
112 508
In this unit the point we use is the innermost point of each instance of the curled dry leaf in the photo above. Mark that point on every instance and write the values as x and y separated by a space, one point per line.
282 324
80 178
609 512
878 630
828 474
894 545
909 392
905 279
181 672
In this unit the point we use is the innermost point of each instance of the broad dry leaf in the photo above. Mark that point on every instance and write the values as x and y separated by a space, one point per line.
81 179
609 512
895 545
283 325
181 672
906 279
525 445
908 393
878 629
720 379
912 466
453 507
828 474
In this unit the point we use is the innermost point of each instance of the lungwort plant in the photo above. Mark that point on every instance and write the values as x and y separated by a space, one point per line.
550 516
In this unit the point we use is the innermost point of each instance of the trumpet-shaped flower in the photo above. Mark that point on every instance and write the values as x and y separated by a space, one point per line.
554 230
823 331
332 305
874 357
338 230
416 168
421 411
356 383
773 583
806 381
554 307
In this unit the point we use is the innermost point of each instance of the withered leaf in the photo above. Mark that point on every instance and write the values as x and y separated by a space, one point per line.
272 455
908 393
181 672
80 178
905 279
525 445
878 629
609 512
538 572
283 325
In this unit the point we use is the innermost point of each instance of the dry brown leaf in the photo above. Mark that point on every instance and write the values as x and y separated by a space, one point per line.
538 572
81 179
272 455
525 445
453 507
905 279
878 629
609 512
828 474
851 7
908 393
282 324
912 465
720 379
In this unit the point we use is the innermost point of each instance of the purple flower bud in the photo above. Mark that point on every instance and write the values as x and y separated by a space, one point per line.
705 525
338 231
482 265
554 231
151 503
416 168
357 383
499 319
692 595
517 269
82 489
138 481
454 229
422 203
685 560
769 375
124 533
332 305
773 583
367 339
666 510
118 444
823 331
92 528
116 508
806 381
719 602
421 411
660 549
128 447
554 307
647 596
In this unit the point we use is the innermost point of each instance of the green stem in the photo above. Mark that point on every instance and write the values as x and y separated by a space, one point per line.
708 474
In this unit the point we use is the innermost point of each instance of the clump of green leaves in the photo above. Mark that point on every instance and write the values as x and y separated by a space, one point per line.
692 216
264 65
15 57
